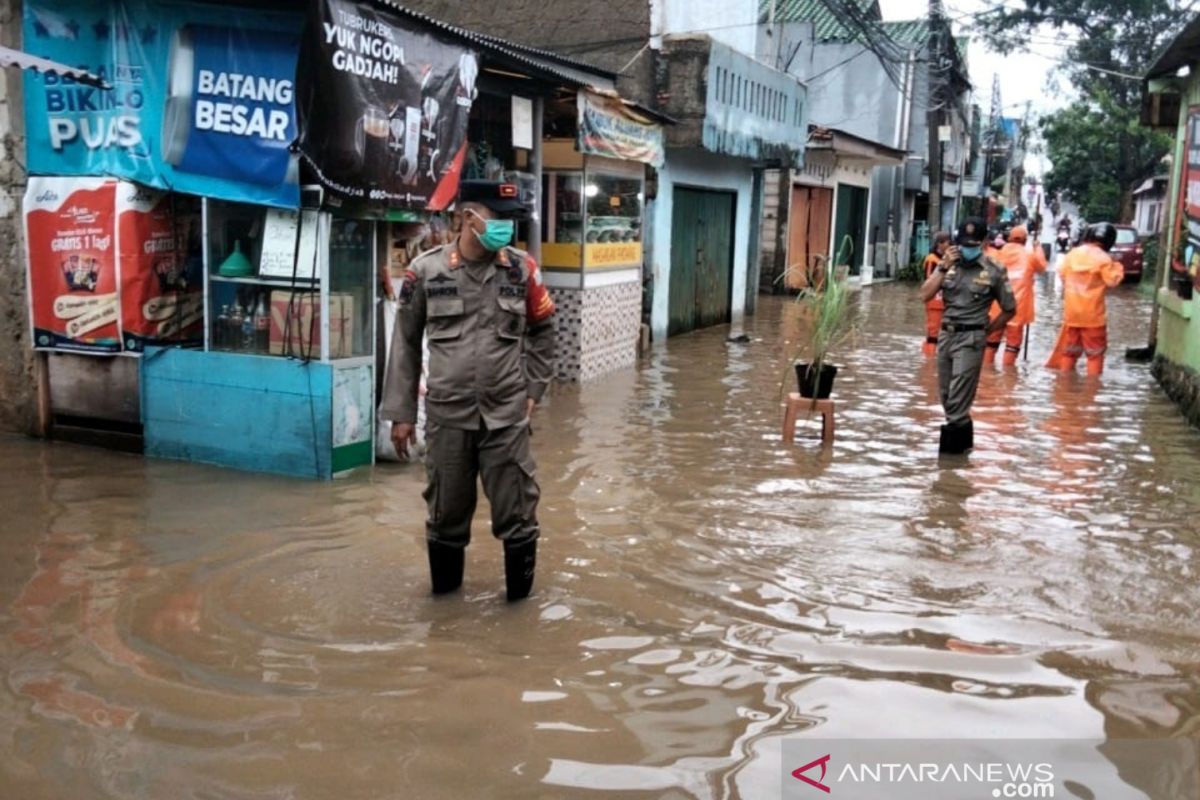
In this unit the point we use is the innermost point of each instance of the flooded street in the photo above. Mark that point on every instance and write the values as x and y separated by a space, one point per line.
703 590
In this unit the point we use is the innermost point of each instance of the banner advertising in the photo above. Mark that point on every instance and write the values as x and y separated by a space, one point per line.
203 100
607 127
160 264
1186 258
72 265
383 107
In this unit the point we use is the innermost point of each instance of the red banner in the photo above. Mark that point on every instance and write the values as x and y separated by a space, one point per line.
72 264
158 246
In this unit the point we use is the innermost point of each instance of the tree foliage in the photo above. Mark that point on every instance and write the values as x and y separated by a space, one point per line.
1098 150
1099 154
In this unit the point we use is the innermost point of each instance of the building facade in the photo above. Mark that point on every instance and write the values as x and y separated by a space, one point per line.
849 89
1171 101
695 63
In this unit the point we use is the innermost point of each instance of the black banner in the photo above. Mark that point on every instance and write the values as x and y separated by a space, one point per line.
383 106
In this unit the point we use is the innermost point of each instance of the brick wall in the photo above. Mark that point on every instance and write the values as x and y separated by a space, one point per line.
608 35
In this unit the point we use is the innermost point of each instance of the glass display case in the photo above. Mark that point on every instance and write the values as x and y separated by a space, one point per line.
293 284
593 216
614 208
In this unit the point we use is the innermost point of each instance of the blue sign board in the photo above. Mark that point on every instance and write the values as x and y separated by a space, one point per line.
202 99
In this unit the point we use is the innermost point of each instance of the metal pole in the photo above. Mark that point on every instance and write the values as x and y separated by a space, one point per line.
535 160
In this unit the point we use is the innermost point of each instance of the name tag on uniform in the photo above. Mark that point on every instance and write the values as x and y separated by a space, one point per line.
513 291
441 291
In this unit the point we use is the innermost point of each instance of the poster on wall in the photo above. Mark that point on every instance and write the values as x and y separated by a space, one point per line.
159 263
607 127
202 100
383 106
71 270
1186 256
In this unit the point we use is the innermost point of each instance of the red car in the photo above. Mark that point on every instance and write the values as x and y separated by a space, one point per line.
1128 250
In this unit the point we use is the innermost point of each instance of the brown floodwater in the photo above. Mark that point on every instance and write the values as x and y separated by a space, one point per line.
174 630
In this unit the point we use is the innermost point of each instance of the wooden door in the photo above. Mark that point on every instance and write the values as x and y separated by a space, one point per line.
808 233
701 277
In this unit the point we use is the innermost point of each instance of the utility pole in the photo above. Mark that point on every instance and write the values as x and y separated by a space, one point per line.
991 142
937 95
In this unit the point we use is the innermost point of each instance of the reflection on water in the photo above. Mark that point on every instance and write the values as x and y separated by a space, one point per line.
169 630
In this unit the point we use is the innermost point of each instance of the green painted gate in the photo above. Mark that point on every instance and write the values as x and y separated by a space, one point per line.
701 259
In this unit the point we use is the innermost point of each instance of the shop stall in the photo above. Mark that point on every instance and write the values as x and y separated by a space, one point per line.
593 200
280 170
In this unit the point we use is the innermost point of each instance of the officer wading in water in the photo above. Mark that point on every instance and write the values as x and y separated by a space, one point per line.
969 282
490 323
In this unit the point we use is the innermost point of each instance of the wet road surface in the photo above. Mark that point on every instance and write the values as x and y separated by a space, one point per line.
172 630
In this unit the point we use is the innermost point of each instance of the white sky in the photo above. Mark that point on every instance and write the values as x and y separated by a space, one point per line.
1024 76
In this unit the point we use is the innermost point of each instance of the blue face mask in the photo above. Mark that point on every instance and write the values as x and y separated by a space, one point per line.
496 234
971 253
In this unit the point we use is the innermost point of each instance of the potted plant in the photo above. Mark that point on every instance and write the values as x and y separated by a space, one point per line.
828 302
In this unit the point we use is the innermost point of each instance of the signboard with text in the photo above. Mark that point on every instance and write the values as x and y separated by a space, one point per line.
607 127
202 99
383 106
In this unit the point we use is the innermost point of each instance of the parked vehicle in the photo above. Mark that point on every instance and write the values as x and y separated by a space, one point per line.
1128 250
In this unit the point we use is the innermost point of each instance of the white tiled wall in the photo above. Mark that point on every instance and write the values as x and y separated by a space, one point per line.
598 330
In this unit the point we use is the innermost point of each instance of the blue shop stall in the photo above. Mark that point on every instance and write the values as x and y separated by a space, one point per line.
274 161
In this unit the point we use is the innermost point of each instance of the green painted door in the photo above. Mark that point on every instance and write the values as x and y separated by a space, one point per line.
852 222
701 279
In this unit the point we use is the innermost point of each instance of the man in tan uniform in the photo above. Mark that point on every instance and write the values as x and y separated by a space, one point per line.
489 320
970 282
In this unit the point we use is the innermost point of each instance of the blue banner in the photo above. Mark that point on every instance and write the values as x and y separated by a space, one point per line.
202 101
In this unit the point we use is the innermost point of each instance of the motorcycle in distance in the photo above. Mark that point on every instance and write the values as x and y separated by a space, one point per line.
1064 240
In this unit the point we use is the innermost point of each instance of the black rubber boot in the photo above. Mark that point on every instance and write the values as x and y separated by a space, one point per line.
519 563
957 439
445 567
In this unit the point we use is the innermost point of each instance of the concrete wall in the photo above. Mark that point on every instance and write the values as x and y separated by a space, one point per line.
700 170
1177 364
17 391
731 22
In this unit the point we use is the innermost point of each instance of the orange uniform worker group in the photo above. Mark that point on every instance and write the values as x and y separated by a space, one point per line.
1087 273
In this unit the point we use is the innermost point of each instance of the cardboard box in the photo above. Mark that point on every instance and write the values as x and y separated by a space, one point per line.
305 312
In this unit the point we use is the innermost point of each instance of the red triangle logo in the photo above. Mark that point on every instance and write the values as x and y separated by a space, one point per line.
799 775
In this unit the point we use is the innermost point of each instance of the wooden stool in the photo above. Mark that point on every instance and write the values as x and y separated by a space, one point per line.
795 403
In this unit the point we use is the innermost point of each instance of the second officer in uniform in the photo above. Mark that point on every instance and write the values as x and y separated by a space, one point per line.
489 320
969 282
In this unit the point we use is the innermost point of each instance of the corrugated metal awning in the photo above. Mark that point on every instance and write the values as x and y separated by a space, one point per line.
22 60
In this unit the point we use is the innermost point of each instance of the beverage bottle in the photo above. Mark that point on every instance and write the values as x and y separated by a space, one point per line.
233 333
248 328
262 325
221 330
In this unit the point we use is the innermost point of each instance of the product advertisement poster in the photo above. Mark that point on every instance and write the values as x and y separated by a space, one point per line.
72 264
160 264
202 99
383 108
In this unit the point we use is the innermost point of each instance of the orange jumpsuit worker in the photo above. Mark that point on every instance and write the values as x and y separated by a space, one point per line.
1088 272
1022 265
935 307
995 338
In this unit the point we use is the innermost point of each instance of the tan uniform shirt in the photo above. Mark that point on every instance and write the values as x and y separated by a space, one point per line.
970 289
491 340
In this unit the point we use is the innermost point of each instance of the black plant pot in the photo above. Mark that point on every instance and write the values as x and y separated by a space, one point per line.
813 384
